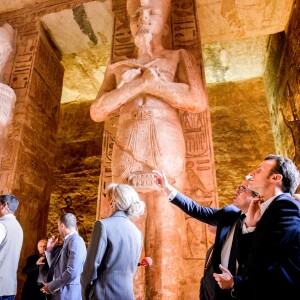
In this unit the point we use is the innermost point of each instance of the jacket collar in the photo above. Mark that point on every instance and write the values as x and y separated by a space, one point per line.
119 213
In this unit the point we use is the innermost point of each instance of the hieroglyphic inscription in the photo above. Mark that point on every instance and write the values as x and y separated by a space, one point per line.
196 133
44 106
123 45
200 173
184 25
110 127
194 239
23 63
51 73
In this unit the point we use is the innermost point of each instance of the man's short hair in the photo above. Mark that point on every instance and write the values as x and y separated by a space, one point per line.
288 170
11 200
69 220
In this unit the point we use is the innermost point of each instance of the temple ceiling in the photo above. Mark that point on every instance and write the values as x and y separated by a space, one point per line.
234 36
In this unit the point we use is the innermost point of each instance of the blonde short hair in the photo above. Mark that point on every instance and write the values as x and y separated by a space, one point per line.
126 199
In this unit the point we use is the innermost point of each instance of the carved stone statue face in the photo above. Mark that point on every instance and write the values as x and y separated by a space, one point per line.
147 19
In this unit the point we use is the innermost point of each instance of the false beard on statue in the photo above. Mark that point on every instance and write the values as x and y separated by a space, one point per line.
143 40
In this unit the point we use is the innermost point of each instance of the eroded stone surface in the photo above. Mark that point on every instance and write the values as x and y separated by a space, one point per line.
282 88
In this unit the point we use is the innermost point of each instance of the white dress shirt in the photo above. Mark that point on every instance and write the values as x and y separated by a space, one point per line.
2 227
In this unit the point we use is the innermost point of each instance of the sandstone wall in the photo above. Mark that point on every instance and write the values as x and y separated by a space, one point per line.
242 134
282 77
77 168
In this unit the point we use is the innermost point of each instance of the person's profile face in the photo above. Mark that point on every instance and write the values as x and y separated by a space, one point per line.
261 176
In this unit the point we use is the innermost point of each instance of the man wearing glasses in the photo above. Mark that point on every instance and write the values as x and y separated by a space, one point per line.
11 240
229 227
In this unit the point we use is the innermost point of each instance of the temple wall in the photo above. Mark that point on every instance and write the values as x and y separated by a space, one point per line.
242 134
281 78
77 168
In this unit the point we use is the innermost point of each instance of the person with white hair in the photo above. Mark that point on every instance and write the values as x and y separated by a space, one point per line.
114 249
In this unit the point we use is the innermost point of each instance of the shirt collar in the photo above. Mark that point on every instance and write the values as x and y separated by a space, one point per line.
8 216
68 235
266 204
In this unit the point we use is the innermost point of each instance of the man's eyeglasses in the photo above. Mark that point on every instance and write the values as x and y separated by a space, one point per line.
242 189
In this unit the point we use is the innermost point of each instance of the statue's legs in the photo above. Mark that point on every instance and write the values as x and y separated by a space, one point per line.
162 242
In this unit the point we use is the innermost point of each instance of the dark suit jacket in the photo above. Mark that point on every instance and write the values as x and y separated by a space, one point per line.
223 218
274 264
207 285
31 289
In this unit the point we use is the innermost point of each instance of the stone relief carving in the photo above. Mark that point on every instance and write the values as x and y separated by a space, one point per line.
6 44
146 91
7 94
293 122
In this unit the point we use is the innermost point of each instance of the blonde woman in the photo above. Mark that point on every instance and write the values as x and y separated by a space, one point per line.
115 248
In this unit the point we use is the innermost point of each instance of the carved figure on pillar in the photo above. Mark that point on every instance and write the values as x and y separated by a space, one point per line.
146 92
7 94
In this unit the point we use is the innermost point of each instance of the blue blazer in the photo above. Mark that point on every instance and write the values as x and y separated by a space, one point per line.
223 218
274 263
66 266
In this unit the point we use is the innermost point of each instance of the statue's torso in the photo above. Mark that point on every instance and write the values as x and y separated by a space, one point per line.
149 134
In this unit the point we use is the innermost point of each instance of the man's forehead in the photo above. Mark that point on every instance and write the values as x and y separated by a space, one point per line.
267 164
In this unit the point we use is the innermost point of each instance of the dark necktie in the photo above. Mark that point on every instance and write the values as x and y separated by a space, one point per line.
234 248
208 257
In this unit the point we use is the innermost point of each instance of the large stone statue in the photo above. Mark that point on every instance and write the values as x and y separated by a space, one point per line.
7 94
146 92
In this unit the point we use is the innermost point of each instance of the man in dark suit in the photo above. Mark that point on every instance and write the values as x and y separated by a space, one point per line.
273 266
66 262
274 263
226 220
36 270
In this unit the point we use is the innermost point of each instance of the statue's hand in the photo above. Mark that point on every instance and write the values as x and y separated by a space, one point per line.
150 74
128 76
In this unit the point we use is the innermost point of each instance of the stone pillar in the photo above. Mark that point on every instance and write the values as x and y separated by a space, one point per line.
27 158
